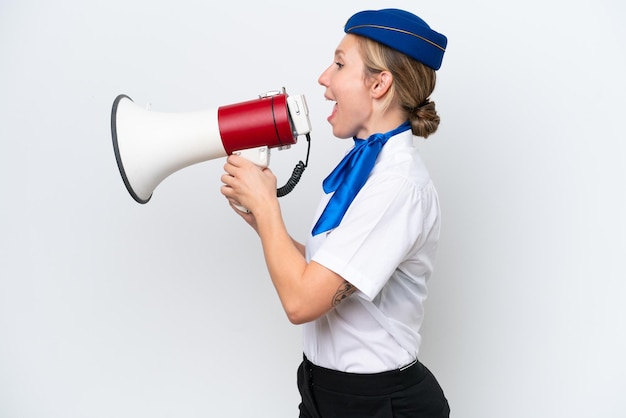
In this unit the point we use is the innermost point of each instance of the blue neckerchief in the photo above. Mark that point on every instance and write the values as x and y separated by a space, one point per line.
350 175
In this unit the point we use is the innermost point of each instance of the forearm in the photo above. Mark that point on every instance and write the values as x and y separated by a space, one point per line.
299 246
284 258
306 290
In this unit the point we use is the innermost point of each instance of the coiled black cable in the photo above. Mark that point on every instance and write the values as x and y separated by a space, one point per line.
296 174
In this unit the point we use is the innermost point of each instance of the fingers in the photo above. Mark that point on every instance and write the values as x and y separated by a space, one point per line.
243 181
228 179
235 161
227 191
232 184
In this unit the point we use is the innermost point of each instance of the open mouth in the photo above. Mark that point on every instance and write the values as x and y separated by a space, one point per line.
334 111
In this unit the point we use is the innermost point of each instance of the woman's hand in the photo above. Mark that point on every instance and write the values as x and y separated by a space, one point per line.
248 185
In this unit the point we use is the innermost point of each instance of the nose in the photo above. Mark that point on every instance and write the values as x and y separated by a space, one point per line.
323 78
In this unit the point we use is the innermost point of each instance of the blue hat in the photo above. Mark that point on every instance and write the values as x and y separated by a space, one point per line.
402 31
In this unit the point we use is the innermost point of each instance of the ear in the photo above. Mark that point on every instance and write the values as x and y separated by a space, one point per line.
382 83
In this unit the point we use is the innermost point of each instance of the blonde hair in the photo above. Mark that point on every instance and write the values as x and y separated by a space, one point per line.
412 86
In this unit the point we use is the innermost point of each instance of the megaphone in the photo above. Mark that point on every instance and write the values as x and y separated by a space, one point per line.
149 146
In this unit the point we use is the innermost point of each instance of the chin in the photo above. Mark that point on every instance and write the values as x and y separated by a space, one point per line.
341 134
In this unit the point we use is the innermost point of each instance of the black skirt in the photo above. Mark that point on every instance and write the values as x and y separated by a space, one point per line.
411 392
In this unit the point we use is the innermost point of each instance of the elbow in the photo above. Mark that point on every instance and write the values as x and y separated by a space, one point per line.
299 314
297 317
296 320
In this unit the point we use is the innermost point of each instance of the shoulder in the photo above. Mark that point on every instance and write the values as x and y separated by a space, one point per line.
400 160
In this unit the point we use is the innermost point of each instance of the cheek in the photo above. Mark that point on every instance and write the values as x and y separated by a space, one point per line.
355 102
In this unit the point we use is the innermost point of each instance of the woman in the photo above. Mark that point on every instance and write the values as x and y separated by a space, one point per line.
359 284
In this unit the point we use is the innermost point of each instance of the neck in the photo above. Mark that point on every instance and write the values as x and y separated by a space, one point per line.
386 124
388 132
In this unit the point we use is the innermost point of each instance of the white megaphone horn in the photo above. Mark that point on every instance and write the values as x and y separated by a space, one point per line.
149 146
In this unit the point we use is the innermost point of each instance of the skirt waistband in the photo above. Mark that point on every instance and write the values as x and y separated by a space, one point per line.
368 384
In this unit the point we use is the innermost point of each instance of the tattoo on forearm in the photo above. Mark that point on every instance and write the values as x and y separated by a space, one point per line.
345 290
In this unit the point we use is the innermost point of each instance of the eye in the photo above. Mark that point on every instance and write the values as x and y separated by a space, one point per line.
339 65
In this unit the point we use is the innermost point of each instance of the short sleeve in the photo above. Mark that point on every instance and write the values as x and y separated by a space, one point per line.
384 224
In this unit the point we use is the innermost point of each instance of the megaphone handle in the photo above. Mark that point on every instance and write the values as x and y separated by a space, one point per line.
259 156
241 208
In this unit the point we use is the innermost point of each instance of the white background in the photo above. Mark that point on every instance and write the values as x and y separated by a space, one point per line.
109 308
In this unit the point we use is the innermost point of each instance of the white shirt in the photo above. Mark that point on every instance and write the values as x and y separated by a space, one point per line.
385 246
